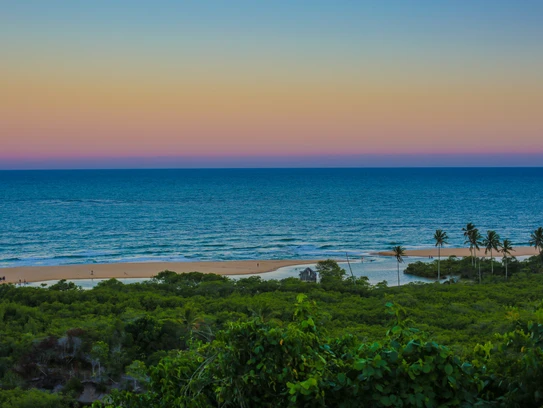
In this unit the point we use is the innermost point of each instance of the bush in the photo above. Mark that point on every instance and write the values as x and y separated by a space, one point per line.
73 386
18 398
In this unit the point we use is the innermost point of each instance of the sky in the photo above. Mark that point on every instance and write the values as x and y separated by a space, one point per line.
270 84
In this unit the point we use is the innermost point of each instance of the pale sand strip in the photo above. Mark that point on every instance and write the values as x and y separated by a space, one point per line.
461 252
142 270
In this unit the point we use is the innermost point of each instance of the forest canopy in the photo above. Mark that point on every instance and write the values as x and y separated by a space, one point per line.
251 341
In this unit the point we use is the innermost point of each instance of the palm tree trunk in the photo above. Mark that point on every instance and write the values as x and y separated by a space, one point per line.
491 261
438 263
505 268
398 274
480 277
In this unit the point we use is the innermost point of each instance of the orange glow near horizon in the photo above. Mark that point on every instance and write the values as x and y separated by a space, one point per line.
109 119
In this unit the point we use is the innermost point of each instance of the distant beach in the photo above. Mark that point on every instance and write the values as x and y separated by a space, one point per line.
461 252
141 270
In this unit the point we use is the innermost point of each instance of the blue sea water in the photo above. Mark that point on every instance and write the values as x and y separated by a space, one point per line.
69 217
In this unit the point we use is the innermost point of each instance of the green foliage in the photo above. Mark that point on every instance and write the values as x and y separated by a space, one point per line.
256 363
516 361
464 268
18 398
63 285
329 271
192 330
536 240
100 353
73 386
138 371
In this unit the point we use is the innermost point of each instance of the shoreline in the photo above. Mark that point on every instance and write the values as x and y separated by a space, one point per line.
460 252
243 267
142 269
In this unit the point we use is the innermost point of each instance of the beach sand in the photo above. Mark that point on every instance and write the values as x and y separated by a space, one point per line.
461 252
150 269
141 270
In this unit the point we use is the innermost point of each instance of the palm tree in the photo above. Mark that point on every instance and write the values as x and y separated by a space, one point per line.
536 240
468 231
399 253
475 240
491 241
480 275
191 319
506 251
441 238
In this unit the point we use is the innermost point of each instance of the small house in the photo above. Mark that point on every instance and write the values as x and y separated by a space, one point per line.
308 275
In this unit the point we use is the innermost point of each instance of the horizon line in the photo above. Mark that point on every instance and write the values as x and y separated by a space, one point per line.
407 160
271 168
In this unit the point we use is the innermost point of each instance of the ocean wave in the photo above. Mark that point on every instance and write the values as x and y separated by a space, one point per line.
212 245
68 256
15 259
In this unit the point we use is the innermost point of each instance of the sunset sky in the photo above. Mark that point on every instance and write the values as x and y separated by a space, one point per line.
250 84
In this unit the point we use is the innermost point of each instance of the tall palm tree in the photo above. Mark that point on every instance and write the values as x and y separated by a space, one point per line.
506 251
491 241
399 253
480 276
475 240
536 240
468 231
441 238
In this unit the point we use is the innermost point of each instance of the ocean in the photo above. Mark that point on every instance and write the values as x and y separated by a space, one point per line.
100 216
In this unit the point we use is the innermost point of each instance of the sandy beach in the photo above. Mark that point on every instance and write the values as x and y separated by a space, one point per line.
141 270
461 252
150 269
